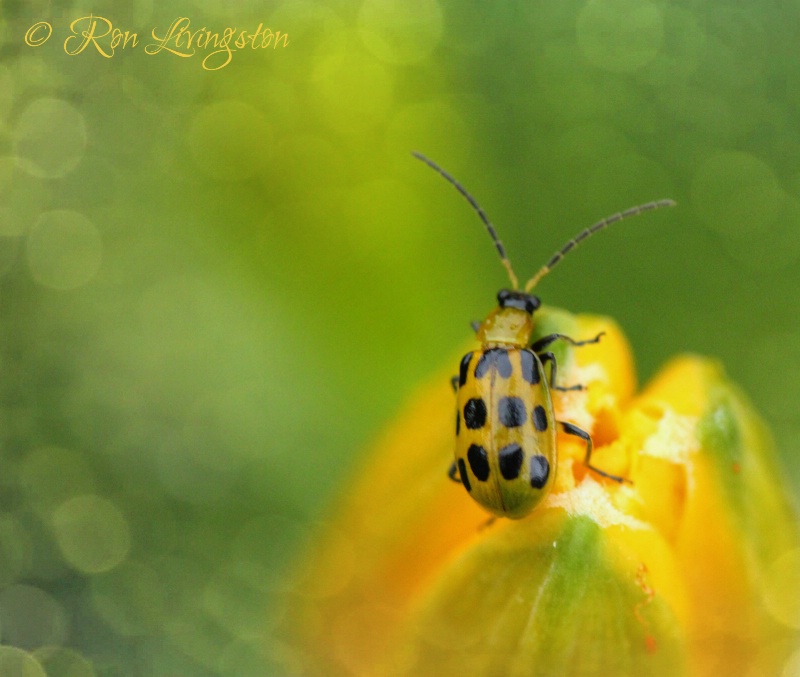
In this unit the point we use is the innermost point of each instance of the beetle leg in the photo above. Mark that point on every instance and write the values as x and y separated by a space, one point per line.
549 357
578 432
475 325
542 343
453 473
454 383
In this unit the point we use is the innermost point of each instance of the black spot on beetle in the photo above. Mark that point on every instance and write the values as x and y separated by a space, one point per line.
458 422
478 461
510 459
540 418
511 411
475 413
530 367
463 369
494 358
540 471
462 473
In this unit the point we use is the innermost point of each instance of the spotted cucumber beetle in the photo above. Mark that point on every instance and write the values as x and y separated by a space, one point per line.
505 452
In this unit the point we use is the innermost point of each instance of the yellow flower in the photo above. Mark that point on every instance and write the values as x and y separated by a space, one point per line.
690 570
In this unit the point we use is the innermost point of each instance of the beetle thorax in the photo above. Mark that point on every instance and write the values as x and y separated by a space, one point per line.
506 327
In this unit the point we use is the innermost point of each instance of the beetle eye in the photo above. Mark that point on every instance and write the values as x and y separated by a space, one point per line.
502 296
532 303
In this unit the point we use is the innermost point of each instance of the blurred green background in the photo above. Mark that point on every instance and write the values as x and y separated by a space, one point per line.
217 285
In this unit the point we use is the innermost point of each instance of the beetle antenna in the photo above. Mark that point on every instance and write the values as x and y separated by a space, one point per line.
501 250
591 230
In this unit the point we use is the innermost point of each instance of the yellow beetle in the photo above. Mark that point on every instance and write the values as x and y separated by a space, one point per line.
505 424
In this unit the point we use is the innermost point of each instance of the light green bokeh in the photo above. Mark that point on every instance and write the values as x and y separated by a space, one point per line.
64 250
61 662
49 138
400 31
16 662
620 35
92 533
31 618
